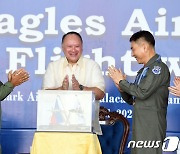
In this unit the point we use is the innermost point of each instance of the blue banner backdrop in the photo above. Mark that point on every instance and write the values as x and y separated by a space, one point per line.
30 37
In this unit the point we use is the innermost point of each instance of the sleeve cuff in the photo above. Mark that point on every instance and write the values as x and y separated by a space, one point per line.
9 84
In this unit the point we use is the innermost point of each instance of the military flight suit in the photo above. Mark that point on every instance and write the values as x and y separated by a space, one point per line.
5 90
149 96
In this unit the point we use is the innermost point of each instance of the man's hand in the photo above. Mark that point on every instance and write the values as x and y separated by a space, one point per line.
75 83
175 90
177 81
18 77
116 75
10 76
65 84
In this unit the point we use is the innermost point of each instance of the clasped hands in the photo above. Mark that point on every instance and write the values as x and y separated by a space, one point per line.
116 75
18 77
65 83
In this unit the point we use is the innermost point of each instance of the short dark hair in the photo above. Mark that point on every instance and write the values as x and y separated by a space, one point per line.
69 33
146 35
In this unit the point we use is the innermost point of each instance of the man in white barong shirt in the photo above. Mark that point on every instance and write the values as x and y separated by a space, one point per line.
75 72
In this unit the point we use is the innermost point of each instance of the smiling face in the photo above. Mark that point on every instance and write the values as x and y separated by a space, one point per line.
72 47
142 46
138 51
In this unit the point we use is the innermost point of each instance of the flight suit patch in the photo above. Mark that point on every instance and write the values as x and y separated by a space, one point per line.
156 70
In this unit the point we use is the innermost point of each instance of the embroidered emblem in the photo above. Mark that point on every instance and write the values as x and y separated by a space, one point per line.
156 70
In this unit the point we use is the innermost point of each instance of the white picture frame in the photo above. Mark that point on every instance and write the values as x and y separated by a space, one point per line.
65 110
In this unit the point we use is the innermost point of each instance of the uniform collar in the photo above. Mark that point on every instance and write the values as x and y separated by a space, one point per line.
156 57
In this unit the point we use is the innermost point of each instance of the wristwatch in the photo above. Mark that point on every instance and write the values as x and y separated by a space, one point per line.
81 87
120 81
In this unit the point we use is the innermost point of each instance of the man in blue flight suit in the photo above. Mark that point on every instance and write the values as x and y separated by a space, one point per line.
148 94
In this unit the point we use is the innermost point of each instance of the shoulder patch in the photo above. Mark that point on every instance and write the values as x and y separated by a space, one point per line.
156 70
